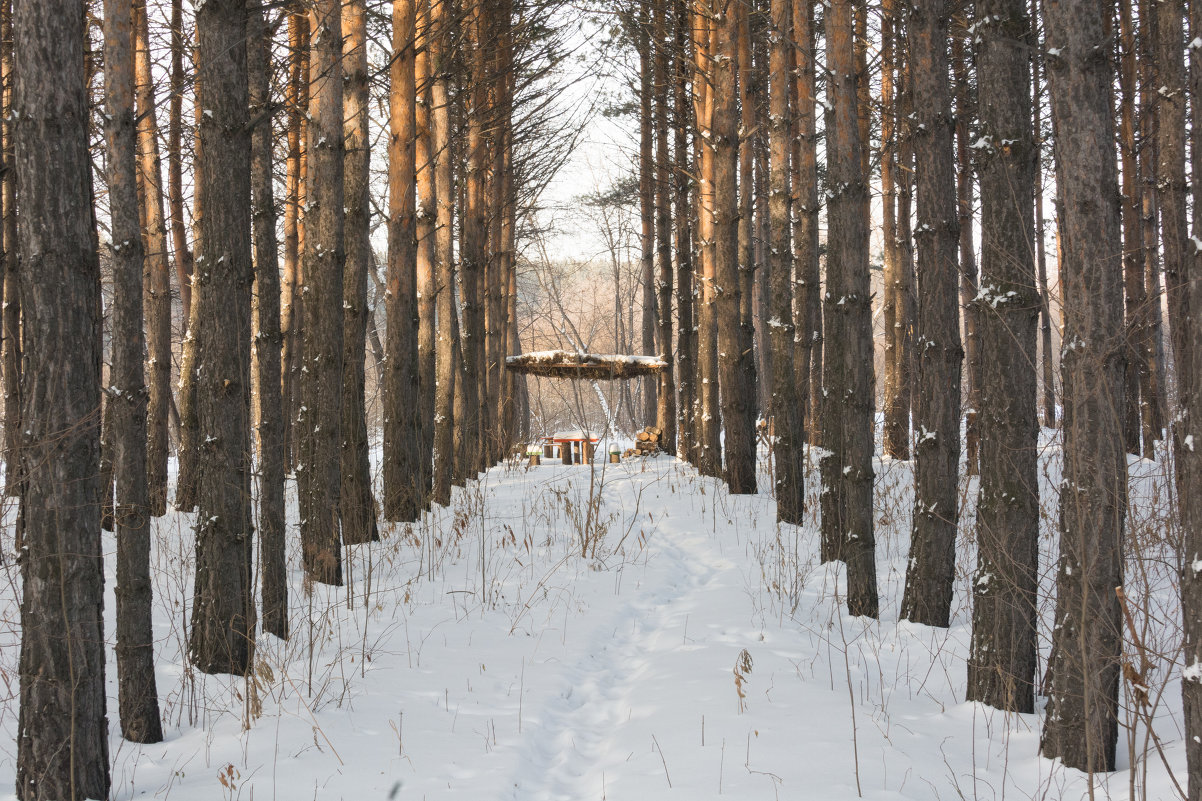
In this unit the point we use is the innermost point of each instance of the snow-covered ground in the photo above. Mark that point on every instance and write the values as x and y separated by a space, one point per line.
626 632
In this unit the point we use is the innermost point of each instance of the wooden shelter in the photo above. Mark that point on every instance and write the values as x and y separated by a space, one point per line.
592 366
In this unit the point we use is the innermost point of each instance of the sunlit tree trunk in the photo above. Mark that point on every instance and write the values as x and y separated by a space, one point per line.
897 398
427 218
807 295
404 491
157 267
709 451
665 410
357 507
291 307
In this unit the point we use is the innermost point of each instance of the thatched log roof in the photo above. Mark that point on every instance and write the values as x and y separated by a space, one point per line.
593 366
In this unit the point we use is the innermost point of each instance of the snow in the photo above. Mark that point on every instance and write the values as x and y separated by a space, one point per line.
487 659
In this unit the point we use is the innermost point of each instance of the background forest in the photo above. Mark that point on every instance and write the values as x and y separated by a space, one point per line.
919 275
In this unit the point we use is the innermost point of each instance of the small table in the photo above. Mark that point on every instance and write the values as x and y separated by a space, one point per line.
575 447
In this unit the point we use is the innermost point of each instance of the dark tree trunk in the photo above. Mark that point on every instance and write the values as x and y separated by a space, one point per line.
647 199
268 340
1133 257
749 111
1001 666
62 740
357 507
965 112
735 393
175 164
788 416
137 694
847 474
683 240
10 313
404 490
665 413
1082 723
1189 476
223 612
318 425
932 566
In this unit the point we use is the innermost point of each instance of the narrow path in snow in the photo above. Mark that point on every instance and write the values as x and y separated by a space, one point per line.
578 725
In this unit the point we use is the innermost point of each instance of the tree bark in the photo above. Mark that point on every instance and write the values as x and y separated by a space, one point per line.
444 233
642 35
847 474
62 740
268 339
404 491
896 443
158 270
137 694
318 424
683 234
10 313
427 219
357 506
1138 407
709 451
931 570
223 612
735 394
788 416
1082 724
175 164
1001 667
965 113
291 307
665 410
807 295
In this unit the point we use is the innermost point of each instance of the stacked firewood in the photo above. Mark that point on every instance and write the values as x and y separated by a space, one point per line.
647 442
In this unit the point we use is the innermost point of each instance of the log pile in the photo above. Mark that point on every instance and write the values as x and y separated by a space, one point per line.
647 442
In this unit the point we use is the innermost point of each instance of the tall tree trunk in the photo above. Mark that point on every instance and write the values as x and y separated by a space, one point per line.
665 410
62 742
223 612
748 133
897 399
444 255
1133 258
318 425
788 416
847 524
647 198
175 162
1082 724
735 394
404 491
965 113
10 313
807 295
683 239
427 218
931 570
291 308
268 340
357 507
903 275
1154 387
1047 358
1001 667
158 270
137 694
1189 474
1172 186
709 455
